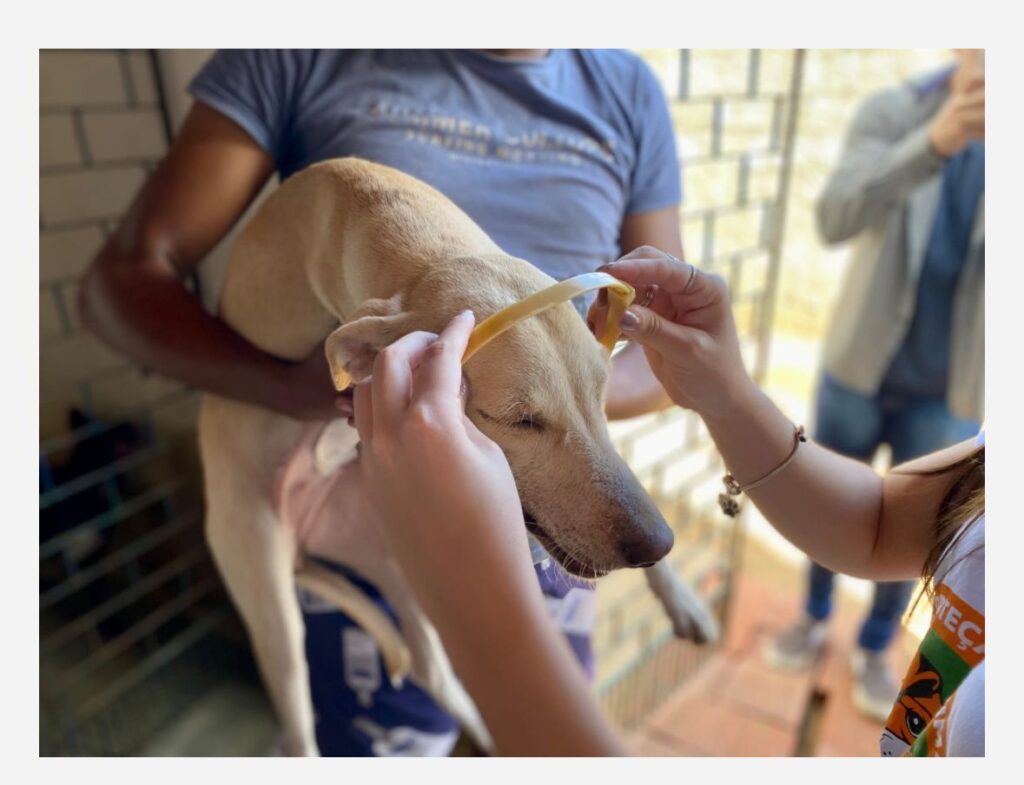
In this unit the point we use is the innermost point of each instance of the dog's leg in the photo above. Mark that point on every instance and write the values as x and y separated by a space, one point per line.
255 556
690 616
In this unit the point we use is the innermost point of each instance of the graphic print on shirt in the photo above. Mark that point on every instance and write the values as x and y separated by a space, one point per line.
954 644
472 138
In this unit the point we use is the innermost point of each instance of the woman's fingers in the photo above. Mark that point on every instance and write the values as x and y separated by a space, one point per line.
392 378
650 329
438 375
642 269
419 366
663 284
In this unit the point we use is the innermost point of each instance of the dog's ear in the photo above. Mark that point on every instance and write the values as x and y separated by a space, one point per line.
351 348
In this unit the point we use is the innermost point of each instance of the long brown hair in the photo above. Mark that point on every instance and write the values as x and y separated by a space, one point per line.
961 509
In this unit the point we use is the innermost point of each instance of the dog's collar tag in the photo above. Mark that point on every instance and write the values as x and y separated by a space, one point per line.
620 296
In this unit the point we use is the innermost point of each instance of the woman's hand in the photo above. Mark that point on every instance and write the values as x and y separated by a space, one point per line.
445 492
451 515
686 329
878 530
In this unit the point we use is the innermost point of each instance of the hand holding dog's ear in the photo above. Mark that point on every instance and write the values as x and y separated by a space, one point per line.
445 493
687 329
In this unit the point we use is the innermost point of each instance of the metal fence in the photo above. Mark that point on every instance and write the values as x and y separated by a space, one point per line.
129 600
639 662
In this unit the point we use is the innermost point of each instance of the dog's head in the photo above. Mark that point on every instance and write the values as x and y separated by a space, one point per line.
537 390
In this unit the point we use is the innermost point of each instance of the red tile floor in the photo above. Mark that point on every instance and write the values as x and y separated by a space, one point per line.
738 706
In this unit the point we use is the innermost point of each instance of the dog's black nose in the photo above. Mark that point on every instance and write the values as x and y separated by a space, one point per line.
649 548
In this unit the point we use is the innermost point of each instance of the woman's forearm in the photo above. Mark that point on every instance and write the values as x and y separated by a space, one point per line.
527 684
519 669
827 505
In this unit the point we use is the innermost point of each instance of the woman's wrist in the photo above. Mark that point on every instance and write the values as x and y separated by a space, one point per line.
735 401
752 435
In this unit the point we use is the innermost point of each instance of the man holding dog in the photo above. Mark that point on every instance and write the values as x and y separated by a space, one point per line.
565 158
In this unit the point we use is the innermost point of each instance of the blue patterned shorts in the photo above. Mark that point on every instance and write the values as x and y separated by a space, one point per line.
359 713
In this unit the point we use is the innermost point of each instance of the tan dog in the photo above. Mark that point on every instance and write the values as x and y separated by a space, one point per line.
384 254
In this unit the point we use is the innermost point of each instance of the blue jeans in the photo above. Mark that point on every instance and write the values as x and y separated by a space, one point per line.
855 425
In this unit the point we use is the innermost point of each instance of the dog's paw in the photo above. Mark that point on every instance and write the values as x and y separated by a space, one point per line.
690 616
700 626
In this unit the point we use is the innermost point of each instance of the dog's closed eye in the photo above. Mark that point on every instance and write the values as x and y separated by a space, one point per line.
531 422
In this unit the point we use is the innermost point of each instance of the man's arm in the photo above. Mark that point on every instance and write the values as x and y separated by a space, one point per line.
133 296
882 162
633 389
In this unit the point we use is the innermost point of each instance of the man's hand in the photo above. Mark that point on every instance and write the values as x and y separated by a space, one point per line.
962 118
304 391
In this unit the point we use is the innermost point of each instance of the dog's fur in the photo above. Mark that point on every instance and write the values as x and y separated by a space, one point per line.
383 254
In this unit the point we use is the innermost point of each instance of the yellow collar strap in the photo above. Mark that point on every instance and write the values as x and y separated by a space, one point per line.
620 296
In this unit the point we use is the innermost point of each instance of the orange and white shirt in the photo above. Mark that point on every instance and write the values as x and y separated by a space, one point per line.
940 710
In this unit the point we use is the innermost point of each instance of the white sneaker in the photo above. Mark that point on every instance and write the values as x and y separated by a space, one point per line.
875 686
798 646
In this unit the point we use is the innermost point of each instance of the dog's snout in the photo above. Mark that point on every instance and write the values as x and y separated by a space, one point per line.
648 549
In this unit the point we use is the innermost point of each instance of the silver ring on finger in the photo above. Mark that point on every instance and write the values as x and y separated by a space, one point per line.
691 279
648 296
693 270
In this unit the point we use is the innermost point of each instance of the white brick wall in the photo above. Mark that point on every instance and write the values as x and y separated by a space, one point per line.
737 231
88 194
143 82
57 142
72 78
718 71
50 323
121 135
746 125
64 255
99 132
710 184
